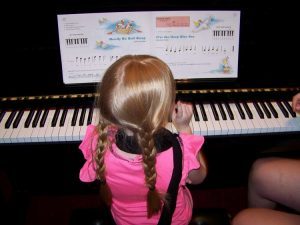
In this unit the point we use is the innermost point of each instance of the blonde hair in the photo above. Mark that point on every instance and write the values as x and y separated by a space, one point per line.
137 93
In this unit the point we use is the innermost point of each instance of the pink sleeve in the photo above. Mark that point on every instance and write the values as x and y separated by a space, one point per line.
191 146
87 146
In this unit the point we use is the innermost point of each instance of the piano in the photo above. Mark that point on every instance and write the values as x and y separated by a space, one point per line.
42 120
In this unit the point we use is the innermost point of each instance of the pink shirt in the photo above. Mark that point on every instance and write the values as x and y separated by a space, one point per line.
126 179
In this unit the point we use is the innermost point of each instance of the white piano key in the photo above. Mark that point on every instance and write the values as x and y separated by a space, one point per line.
2 127
213 128
62 134
77 127
49 130
201 122
222 122
35 133
249 122
83 128
15 135
191 125
196 126
56 128
9 132
45 132
237 116
70 129
229 123
95 118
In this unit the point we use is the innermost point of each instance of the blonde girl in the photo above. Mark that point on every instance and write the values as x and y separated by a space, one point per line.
141 165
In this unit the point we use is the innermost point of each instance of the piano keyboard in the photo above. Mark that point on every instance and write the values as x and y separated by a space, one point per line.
209 119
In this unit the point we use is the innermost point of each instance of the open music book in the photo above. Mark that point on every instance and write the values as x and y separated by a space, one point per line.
195 44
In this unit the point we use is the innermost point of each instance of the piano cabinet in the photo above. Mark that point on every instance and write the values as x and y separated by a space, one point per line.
39 168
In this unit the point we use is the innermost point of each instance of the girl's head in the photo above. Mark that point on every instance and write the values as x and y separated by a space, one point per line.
137 93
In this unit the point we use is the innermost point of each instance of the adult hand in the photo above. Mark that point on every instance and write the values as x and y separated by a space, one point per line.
296 103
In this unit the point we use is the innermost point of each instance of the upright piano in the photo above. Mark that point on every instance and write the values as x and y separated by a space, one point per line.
42 120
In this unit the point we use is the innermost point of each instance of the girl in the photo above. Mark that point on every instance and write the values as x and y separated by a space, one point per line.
142 167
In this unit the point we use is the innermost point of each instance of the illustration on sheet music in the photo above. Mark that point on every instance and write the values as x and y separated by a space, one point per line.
195 44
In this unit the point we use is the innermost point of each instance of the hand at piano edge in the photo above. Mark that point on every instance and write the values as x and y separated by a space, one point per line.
296 103
181 117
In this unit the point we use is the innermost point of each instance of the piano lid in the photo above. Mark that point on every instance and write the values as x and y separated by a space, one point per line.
32 63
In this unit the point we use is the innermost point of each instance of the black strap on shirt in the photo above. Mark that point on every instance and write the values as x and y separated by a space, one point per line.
168 210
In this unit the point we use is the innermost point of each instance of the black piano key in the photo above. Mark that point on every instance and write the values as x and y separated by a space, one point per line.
29 118
265 109
240 110
44 118
258 109
90 116
223 114
229 111
248 111
10 119
37 117
283 110
82 117
18 119
74 117
63 118
55 118
214 110
272 109
2 113
203 113
195 113
289 108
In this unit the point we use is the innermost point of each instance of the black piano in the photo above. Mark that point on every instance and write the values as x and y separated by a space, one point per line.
42 120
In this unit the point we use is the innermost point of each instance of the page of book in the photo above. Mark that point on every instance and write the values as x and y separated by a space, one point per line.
195 44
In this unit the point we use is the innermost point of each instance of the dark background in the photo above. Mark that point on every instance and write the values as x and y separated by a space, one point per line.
31 57
42 178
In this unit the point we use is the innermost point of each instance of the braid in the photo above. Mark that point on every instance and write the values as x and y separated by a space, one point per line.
105 191
154 199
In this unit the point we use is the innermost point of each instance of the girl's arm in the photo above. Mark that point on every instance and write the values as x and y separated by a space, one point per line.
197 176
181 118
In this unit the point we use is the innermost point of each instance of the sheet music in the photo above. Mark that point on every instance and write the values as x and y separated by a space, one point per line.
195 44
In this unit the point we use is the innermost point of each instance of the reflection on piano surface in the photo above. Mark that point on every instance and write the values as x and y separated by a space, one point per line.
66 117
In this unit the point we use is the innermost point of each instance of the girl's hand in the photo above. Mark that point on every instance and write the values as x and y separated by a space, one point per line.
181 117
